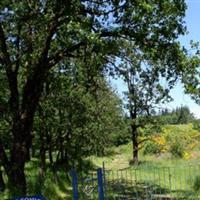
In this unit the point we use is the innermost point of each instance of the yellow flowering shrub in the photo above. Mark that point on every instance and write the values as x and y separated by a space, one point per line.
186 155
179 140
161 143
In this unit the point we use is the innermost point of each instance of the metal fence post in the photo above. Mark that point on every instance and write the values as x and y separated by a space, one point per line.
100 184
74 184
104 180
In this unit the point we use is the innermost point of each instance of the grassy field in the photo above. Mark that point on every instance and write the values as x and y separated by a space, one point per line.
121 157
157 176
55 187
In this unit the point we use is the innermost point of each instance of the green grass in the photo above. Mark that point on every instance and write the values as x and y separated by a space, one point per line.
177 181
51 188
161 174
122 156
157 174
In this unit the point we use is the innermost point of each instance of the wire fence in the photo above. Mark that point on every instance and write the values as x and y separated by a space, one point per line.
87 186
154 183
143 183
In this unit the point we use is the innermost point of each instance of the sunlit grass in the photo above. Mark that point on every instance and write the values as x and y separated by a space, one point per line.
50 188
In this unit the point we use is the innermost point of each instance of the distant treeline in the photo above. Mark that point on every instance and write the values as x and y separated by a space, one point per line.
179 115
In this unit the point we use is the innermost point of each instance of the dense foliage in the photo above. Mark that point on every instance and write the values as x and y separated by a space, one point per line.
176 140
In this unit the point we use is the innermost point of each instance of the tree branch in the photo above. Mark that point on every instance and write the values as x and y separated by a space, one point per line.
11 75
34 85
18 49
57 57
1 60
6 57
144 140
56 22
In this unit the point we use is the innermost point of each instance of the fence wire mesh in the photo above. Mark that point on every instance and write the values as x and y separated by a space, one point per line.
88 185
144 183
153 183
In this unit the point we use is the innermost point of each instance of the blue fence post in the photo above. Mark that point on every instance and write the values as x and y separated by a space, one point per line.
104 180
100 184
74 184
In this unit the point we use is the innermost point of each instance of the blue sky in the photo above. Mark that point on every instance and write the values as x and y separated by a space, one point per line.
192 20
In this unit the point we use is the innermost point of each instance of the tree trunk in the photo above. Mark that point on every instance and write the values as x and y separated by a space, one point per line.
50 148
61 150
42 156
43 133
33 151
135 147
16 175
2 184
67 167
17 178
60 139
134 138
32 146
15 167
60 159
19 154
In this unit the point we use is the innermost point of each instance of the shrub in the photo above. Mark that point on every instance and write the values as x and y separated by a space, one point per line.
177 149
151 148
196 125
196 185
156 146
186 155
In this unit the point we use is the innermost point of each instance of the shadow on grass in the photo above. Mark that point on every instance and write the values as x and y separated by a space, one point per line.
144 163
123 189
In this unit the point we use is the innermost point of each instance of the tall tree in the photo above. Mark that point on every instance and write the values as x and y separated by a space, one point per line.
81 122
144 93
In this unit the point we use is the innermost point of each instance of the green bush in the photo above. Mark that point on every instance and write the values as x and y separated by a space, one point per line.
177 149
196 185
151 148
196 125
